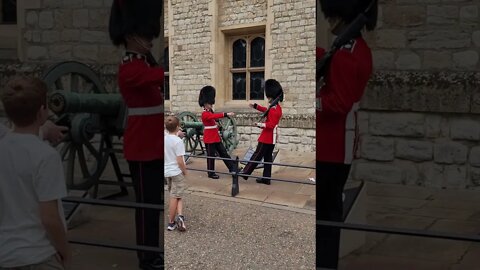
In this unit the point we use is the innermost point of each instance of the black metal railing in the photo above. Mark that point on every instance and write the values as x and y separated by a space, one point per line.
236 173
120 204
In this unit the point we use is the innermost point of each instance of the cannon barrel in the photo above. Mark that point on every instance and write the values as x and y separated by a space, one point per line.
194 125
61 102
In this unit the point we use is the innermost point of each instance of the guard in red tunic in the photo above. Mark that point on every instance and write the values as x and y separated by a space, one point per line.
134 24
336 118
268 136
211 137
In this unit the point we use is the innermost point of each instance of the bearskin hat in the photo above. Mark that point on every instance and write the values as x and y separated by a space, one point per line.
134 17
348 10
273 89
207 96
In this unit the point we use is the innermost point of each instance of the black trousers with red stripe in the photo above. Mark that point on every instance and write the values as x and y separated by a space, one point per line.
147 181
331 179
264 151
212 150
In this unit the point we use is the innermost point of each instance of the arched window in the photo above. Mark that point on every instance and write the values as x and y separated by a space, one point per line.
248 67
166 64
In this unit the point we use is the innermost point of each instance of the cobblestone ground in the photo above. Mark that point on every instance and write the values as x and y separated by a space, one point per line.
230 235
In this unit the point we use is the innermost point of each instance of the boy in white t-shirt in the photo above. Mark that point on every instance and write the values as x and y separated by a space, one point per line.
175 172
32 226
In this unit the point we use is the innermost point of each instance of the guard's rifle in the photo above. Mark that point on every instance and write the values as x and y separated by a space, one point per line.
273 104
352 30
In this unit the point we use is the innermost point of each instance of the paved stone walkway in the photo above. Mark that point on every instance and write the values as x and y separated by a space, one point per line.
280 193
425 209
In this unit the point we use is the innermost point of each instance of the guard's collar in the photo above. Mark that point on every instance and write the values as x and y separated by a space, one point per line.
130 55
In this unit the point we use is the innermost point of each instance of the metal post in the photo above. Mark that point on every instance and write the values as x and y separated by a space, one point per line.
235 187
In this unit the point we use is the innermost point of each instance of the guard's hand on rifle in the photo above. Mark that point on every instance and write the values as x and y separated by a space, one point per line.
259 125
251 105
230 114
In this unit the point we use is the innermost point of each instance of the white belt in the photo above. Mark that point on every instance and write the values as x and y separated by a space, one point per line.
210 127
145 110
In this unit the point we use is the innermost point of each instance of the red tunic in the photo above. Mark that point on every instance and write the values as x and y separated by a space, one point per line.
270 126
210 130
345 83
140 86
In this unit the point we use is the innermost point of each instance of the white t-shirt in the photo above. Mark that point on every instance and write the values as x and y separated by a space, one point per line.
31 171
173 148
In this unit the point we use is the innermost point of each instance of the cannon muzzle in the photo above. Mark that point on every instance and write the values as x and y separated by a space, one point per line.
61 102
194 125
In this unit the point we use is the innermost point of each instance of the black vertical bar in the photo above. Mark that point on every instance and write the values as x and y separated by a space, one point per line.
116 166
235 186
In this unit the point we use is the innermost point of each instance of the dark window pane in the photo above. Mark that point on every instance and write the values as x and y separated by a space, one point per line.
239 54
258 52
166 86
9 11
239 86
166 59
256 85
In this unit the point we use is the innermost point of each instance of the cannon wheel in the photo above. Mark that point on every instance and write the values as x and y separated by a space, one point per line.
84 162
228 133
191 143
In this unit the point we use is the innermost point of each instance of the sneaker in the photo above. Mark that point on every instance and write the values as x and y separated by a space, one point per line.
172 226
181 223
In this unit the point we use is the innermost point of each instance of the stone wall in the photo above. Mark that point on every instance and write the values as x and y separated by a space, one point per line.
73 30
420 149
419 120
232 12
427 35
190 52
295 133
293 53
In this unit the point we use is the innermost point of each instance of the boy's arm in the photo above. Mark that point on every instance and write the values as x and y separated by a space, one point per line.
3 130
50 187
180 152
53 224
181 164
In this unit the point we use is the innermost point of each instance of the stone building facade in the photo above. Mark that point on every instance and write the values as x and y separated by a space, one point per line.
420 121
201 38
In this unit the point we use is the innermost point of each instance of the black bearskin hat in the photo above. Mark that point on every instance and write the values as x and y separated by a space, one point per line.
134 17
348 10
273 89
207 95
